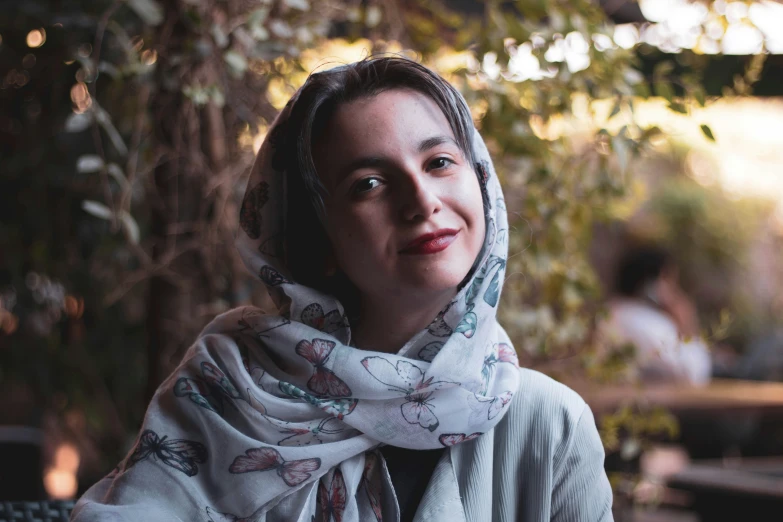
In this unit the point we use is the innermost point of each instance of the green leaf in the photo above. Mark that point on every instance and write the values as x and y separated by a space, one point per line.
373 16
197 94
705 129
651 132
662 69
148 10
89 163
301 5
98 210
615 109
236 63
116 172
678 107
698 94
217 96
219 36
110 69
130 226
621 151
642 90
664 90
78 122
258 16
103 119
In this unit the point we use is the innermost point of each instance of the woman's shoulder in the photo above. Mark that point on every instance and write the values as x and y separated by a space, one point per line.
544 410
544 395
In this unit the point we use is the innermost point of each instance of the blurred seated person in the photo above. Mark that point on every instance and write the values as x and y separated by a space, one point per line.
649 310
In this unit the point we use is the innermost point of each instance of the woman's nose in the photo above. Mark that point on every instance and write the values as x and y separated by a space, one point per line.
420 201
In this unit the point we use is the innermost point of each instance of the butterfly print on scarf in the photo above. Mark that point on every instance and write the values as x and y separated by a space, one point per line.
429 352
180 454
299 435
260 323
408 379
272 277
313 315
452 439
256 372
488 406
373 495
250 213
210 391
504 354
323 382
337 407
293 472
333 499
467 326
216 516
439 327
495 266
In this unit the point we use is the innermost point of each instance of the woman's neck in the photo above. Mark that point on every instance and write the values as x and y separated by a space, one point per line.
385 325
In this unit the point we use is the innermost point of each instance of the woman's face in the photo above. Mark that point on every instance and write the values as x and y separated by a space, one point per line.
404 214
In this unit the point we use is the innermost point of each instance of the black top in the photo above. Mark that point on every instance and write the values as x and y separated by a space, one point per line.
410 472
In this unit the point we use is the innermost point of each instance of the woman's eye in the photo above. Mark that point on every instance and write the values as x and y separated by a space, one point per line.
440 163
366 185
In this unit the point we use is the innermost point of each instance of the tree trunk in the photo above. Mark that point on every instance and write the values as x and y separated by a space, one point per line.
193 146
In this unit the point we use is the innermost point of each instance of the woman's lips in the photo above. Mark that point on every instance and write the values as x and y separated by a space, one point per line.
431 243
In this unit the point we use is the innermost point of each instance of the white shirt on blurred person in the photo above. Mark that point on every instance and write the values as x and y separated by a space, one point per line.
662 354
650 311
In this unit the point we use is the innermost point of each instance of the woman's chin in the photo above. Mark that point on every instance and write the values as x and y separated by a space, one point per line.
434 281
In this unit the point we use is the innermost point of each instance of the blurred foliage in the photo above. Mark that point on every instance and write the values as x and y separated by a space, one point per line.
714 240
125 149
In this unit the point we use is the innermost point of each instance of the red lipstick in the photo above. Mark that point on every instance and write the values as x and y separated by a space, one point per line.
431 243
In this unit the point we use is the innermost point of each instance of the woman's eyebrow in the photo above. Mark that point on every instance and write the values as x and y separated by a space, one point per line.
429 143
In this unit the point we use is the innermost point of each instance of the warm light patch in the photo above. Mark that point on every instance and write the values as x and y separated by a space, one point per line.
149 57
74 307
66 458
60 484
80 97
249 140
36 38
8 322
60 479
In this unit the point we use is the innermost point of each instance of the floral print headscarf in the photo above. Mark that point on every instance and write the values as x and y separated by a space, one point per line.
277 416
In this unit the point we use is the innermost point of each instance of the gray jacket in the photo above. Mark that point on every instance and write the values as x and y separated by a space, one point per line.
542 462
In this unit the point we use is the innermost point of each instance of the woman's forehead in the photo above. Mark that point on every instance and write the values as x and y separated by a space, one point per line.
405 107
387 124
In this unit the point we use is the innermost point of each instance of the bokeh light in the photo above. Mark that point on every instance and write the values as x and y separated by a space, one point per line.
60 483
66 458
36 38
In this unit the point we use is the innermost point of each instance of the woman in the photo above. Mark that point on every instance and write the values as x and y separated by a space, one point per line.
373 191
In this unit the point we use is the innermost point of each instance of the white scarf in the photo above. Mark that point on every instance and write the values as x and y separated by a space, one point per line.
279 411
